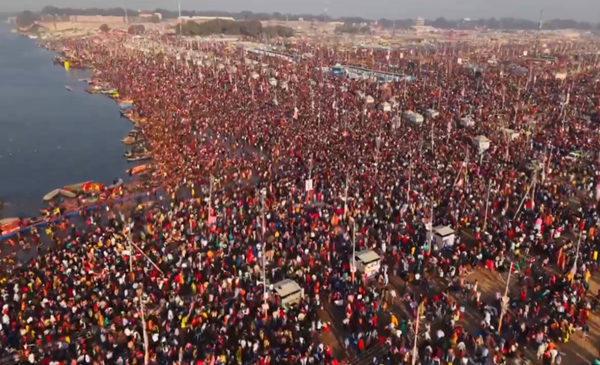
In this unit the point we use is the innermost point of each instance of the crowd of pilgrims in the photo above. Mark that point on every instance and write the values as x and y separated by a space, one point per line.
181 281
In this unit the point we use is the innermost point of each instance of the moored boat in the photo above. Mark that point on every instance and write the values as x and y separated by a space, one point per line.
143 157
9 225
68 88
139 169
76 188
116 184
51 195
67 193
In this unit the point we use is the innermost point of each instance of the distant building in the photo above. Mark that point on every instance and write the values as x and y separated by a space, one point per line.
202 19
419 22
96 19
420 26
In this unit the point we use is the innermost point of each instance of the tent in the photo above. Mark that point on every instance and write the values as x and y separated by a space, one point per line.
482 143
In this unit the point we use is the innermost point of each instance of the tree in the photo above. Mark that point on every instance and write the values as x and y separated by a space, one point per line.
155 19
26 19
104 28
136 29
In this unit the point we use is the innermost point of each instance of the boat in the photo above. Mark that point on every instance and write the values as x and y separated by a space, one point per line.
9 225
33 37
143 157
67 193
51 195
68 88
76 188
92 187
129 141
136 151
117 184
139 169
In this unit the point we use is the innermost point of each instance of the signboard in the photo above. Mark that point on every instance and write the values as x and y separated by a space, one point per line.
308 185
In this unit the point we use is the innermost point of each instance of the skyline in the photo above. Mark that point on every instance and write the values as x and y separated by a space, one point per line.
580 10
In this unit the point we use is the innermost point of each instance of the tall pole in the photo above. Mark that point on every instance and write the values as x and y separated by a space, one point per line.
346 198
487 205
130 251
144 331
409 177
180 26
210 189
504 303
263 244
574 268
430 227
353 250
414 352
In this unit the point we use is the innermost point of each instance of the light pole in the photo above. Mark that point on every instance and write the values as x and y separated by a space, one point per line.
487 204
353 268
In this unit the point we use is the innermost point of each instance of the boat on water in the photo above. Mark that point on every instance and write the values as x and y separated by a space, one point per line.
68 88
51 195
9 225
140 169
142 157
116 184
59 192
67 193
136 151
76 188
33 37
129 141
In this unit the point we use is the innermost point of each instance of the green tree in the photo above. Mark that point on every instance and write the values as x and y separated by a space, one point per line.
104 28
26 19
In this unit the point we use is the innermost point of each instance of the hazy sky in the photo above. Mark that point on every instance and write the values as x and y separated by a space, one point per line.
584 10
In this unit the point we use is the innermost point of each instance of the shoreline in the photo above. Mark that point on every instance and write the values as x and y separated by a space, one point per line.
101 195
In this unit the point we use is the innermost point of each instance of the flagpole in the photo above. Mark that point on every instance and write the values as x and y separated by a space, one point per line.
504 299
487 204
264 259
414 353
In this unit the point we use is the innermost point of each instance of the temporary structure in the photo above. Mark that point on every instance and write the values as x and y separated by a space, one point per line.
482 143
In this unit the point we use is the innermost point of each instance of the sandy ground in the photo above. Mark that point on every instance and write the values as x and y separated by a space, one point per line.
84 27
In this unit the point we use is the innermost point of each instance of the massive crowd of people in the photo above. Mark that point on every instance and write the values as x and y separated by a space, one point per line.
265 180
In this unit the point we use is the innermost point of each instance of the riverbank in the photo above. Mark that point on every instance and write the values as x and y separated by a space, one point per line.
52 137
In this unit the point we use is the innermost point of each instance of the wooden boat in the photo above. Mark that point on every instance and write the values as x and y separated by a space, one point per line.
9 225
92 187
67 193
116 184
143 157
76 188
132 141
139 169
51 195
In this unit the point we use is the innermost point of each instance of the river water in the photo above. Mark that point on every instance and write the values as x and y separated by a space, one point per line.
50 137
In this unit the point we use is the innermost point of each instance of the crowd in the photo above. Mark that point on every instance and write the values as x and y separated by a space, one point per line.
265 181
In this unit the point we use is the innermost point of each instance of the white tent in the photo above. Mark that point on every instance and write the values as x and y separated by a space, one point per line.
386 107
254 75
273 81
370 99
482 143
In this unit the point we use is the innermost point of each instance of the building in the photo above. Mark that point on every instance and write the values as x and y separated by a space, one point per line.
96 19
147 17
420 26
202 19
